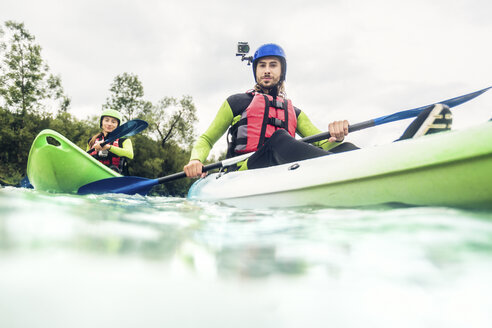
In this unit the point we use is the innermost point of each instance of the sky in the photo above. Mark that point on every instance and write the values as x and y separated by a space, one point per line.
353 59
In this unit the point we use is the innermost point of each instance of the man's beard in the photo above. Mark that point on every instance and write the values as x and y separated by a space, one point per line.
270 90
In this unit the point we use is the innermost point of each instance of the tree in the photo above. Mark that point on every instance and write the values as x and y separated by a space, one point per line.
169 119
127 96
26 86
174 120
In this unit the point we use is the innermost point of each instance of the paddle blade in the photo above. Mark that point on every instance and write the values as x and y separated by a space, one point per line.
120 185
462 99
128 129
416 111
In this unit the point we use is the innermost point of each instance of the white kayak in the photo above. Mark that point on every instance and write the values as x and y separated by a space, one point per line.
445 169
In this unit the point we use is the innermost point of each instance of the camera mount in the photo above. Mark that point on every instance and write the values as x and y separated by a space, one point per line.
242 50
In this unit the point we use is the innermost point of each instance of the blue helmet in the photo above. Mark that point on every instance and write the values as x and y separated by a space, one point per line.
270 49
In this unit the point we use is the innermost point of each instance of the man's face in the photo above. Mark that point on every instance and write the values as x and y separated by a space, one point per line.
268 71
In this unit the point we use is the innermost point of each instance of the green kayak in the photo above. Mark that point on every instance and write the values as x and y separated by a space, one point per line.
445 169
55 164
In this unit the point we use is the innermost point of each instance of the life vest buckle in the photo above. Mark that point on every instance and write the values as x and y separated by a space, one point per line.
276 122
278 104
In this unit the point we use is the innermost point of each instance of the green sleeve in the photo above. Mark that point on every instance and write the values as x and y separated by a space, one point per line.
125 151
306 128
217 128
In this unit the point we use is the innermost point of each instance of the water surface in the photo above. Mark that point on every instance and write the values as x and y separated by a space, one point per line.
132 261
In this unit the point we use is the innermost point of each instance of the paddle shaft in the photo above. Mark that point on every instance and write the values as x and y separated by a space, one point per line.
237 159
206 168
181 175
352 128
234 160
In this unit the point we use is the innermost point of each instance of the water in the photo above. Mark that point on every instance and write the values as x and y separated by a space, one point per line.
131 261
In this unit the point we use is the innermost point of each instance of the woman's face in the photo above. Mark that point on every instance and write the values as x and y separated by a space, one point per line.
109 124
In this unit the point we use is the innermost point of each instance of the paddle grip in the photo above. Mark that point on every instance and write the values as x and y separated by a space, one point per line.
180 175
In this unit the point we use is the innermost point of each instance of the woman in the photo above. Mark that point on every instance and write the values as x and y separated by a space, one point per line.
115 154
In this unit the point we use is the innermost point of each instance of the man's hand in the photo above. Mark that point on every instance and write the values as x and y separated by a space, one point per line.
194 169
338 130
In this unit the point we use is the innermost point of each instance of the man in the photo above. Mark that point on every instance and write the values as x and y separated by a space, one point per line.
264 121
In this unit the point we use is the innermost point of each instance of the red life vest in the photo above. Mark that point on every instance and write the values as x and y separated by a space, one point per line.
261 119
111 159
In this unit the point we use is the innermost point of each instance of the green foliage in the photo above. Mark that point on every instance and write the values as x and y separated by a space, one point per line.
26 86
173 120
16 136
174 161
127 96
165 147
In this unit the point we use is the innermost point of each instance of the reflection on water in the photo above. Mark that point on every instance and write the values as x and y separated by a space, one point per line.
287 266
240 242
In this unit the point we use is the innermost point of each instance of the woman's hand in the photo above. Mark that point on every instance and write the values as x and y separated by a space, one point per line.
98 148
194 169
338 130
